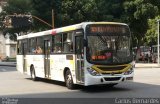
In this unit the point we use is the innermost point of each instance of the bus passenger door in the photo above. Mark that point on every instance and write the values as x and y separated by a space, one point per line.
47 58
24 52
79 58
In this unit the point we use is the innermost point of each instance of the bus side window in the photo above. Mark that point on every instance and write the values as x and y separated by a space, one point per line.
68 42
39 46
79 45
19 47
38 50
53 48
57 43
32 45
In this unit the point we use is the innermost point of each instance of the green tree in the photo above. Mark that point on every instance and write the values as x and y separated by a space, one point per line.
15 7
109 10
136 14
151 35
76 11
43 10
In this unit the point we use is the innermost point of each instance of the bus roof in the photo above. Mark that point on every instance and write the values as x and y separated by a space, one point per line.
64 29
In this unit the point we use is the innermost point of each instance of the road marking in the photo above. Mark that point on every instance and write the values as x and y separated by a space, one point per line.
3 70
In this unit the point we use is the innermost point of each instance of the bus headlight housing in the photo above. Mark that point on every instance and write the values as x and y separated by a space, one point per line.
93 72
129 71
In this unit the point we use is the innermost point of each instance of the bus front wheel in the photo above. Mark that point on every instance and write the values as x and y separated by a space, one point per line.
69 80
33 74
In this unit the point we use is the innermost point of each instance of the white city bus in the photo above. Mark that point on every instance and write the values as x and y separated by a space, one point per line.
89 53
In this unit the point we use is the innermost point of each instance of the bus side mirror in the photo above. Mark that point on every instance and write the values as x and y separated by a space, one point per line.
85 43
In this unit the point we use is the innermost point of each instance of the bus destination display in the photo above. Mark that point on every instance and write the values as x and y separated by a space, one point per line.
107 29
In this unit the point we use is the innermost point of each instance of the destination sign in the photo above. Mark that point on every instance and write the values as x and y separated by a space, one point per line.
119 29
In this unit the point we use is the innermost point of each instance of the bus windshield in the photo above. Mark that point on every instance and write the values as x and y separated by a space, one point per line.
109 49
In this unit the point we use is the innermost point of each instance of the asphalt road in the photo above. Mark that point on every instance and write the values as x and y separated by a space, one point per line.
14 84
7 68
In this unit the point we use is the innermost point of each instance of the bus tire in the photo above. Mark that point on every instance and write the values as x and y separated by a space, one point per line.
69 80
33 74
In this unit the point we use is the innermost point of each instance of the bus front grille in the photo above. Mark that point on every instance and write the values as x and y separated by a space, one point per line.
112 73
112 68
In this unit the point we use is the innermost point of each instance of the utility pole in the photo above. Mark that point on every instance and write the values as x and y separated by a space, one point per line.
52 18
158 41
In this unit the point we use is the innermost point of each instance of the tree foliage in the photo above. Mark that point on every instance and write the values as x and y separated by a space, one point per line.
43 10
14 7
137 13
17 6
151 35
75 11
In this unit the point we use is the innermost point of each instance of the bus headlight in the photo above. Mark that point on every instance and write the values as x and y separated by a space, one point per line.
93 72
129 71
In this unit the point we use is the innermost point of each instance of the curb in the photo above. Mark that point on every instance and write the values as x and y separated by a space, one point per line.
11 64
147 67
141 65
8 65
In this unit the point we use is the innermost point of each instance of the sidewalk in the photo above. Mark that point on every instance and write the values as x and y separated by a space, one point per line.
12 64
147 65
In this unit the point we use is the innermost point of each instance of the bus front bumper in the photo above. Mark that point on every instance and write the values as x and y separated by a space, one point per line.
107 79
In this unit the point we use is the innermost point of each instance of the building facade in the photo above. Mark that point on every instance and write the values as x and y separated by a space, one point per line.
2 46
7 46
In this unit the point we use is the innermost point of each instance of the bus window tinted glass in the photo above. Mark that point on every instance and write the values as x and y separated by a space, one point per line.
67 42
19 47
32 45
57 43
39 46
